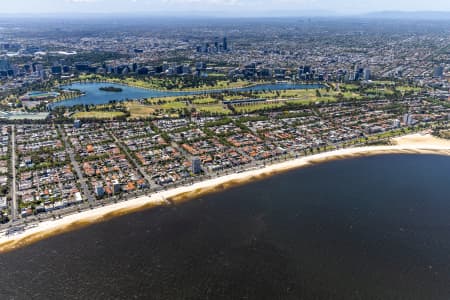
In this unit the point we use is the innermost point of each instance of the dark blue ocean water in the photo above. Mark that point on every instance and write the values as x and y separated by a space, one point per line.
366 228
94 96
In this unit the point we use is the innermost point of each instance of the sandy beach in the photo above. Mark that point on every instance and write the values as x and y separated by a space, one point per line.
420 143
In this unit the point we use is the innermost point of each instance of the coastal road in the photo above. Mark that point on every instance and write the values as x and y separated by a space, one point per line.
14 204
85 189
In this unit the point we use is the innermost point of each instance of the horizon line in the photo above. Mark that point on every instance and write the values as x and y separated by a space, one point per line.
230 14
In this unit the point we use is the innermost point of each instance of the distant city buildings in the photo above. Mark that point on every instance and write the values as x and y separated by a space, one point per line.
273 51
214 48
4 64
367 74
225 44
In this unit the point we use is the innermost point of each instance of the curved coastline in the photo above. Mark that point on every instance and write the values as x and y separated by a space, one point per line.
411 144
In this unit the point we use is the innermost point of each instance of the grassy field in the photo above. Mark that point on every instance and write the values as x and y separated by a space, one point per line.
172 105
138 110
207 100
162 84
405 89
379 91
157 101
305 96
257 106
348 95
383 82
287 94
349 87
235 97
217 108
98 114
311 100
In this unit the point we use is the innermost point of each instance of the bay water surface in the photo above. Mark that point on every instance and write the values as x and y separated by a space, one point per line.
366 228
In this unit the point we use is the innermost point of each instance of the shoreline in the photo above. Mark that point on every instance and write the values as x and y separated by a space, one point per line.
418 143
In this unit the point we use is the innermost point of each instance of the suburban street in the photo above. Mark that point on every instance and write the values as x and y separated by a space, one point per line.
131 158
14 204
85 189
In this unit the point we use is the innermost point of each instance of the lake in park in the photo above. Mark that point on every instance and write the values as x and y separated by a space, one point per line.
93 94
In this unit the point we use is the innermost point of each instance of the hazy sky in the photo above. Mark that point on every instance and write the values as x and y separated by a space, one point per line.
253 7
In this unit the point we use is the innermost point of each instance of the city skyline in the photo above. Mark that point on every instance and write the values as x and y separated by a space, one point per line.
220 7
